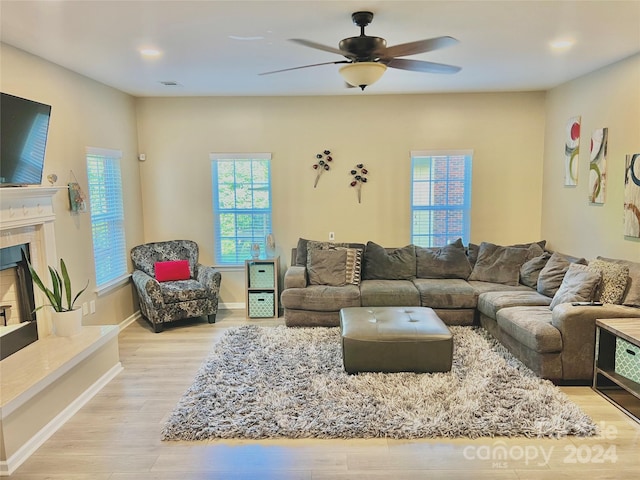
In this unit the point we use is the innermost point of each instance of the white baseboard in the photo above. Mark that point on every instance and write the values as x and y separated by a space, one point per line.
12 463
129 320
232 306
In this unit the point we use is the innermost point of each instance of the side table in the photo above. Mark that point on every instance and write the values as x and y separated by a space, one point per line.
261 280
616 372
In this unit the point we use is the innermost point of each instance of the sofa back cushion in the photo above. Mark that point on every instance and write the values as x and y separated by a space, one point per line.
499 264
530 270
551 275
327 267
631 296
579 284
449 261
380 263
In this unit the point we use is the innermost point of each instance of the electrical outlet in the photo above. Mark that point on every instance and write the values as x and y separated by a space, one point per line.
85 308
92 306
332 236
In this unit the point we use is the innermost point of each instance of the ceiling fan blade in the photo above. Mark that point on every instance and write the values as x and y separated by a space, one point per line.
420 46
304 66
319 46
421 66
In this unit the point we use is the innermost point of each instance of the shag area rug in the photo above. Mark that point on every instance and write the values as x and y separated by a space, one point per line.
279 382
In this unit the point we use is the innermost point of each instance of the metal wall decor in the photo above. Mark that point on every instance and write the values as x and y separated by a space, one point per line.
358 179
322 165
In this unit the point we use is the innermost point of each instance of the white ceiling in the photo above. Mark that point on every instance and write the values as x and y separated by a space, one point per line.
504 45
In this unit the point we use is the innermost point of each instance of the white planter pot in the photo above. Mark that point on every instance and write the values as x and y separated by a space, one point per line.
66 324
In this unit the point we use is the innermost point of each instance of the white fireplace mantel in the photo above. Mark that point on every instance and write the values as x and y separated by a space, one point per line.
22 206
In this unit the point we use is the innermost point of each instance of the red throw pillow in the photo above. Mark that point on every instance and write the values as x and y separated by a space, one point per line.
173 270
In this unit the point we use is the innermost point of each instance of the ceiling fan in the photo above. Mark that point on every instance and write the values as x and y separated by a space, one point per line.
367 58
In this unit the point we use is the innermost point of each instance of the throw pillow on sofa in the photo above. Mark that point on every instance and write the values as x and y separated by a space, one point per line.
380 263
551 275
449 261
327 267
353 260
304 245
498 264
579 284
632 294
614 280
354 264
530 270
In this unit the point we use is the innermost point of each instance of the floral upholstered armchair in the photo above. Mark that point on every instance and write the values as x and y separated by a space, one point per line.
172 285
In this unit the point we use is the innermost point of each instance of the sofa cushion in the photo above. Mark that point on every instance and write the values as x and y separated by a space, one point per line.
321 298
490 302
449 261
614 280
481 287
530 270
327 267
535 251
446 293
304 244
388 293
472 253
632 295
532 327
578 285
380 263
498 264
551 275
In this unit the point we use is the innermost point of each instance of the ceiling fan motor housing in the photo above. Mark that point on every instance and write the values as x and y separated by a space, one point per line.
363 48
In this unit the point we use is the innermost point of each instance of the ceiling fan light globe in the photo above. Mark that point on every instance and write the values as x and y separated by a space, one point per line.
362 74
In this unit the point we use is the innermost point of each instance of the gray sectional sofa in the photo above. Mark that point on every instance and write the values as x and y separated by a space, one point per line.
522 294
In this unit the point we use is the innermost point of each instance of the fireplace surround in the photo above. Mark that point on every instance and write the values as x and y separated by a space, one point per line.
43 384
26 219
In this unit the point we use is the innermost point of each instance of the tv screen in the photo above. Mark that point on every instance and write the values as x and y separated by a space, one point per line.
24 127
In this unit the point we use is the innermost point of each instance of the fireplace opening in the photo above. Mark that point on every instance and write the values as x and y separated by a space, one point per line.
18 325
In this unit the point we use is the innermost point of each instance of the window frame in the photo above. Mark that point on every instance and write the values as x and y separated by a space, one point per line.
465 207
114 218
240 255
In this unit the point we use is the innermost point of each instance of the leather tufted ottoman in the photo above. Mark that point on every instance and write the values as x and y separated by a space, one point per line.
394 339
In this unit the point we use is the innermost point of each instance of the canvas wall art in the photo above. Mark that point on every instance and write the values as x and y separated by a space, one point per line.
632 196
571 151
598 166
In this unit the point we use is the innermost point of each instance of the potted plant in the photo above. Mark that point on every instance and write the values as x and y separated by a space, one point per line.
67 319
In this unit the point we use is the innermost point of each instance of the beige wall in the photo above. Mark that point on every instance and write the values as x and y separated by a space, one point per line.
514 137
177 134
609 98
84 113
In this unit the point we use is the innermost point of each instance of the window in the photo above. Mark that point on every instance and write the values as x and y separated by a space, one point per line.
241 204
440 197
107 216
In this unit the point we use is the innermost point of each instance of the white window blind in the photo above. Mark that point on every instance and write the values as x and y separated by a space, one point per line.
107 215
241 204
440 197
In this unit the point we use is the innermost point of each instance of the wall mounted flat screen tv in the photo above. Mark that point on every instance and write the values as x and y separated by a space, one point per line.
24 127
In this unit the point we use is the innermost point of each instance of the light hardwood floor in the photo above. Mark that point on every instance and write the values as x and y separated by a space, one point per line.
116 436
